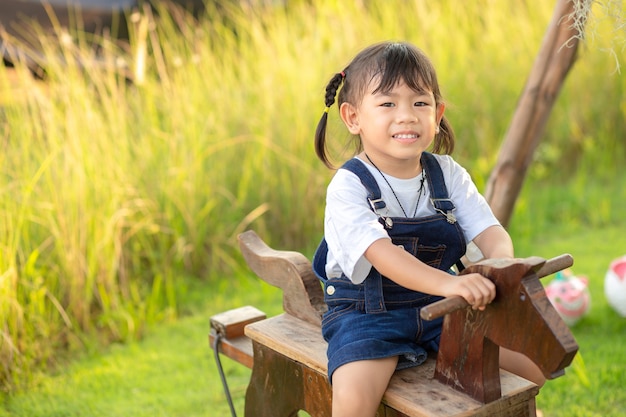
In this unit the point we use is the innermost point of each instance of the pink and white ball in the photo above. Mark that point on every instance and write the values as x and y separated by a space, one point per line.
615 285
570 296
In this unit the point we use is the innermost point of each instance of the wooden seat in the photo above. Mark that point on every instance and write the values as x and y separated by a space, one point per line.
292 376
288 354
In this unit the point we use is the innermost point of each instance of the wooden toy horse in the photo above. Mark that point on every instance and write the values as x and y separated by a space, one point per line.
521 318
288 354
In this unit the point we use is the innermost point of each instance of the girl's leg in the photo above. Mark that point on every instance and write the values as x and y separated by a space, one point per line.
358 387
519 364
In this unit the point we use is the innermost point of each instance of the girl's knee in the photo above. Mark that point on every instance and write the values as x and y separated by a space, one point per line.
350 401
520 365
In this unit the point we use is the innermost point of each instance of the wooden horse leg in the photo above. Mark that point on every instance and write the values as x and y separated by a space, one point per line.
280 387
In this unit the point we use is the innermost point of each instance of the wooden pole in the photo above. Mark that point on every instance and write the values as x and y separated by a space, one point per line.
556 57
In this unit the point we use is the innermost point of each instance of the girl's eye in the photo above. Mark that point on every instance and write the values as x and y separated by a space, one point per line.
421 104
387 104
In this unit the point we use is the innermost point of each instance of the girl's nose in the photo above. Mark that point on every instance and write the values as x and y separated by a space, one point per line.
407 114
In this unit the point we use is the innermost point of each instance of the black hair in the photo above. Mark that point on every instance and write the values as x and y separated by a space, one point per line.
390 62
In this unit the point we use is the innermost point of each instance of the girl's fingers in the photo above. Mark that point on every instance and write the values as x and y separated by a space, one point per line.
481 292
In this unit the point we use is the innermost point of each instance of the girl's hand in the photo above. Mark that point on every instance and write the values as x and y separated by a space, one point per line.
477 290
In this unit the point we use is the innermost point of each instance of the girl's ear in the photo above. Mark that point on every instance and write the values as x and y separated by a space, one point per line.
350 118
441 108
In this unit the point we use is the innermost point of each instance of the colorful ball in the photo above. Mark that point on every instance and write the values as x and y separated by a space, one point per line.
615 285
570 296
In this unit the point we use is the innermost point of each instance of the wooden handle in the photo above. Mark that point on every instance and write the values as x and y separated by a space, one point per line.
448 305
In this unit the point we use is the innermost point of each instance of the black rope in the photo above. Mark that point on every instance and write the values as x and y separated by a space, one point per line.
218 339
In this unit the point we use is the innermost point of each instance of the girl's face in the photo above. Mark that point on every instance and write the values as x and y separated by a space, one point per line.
395 126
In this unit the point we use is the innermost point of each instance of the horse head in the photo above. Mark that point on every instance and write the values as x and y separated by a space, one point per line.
521 318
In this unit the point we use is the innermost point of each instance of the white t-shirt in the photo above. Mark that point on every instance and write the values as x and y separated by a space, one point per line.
350 226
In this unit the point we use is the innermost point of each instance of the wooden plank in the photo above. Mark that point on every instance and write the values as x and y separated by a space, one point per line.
415 393
230 324
292 337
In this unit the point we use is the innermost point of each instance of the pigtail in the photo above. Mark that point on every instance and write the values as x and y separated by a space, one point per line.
320 132
444 140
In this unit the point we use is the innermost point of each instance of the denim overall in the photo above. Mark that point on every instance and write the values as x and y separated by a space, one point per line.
379 318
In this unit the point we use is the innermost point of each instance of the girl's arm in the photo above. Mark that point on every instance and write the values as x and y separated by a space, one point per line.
495 242
403 268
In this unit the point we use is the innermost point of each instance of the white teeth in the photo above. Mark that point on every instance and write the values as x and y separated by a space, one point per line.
405 136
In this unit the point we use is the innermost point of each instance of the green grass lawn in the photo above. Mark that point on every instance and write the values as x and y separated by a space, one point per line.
167 374
594 385
172 372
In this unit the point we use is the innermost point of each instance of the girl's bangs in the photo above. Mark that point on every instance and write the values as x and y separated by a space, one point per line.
400 64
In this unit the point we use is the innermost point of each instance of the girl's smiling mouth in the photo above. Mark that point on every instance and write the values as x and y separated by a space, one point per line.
405 137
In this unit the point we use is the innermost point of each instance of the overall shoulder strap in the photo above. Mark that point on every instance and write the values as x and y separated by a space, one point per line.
438 190
374 196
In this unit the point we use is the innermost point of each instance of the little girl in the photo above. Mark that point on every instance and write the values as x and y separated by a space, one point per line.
397 219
